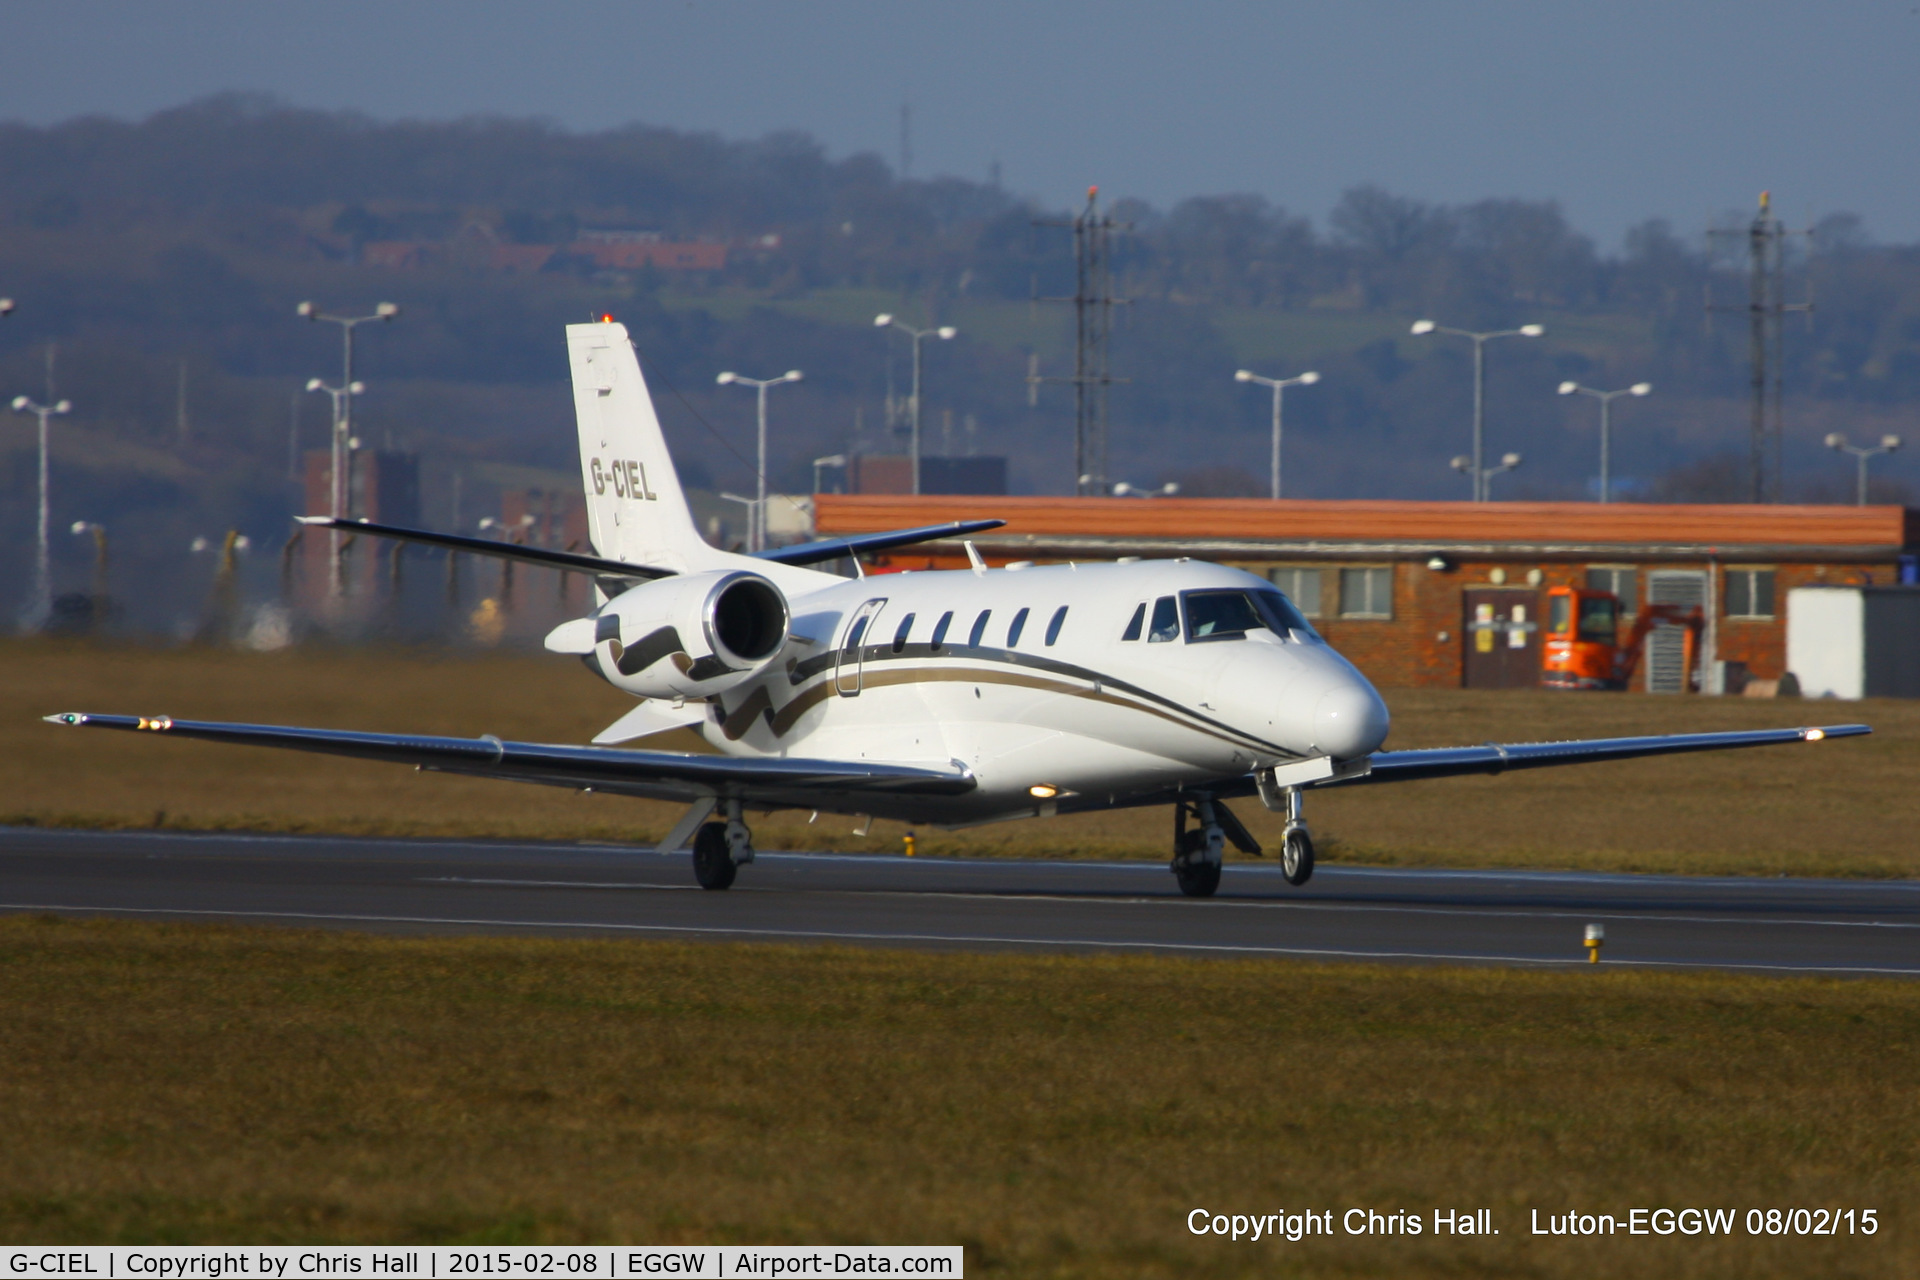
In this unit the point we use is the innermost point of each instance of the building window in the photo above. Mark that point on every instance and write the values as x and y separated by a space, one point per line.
1624 583
1749 593
1366 593
1301 583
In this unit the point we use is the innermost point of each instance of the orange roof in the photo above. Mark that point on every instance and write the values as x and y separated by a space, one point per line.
1378 521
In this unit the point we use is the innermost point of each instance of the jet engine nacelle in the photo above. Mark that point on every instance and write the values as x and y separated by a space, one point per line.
683 637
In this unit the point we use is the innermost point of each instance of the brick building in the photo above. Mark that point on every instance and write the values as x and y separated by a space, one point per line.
1416 593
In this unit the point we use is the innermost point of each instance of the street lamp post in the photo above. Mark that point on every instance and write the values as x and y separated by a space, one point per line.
338 483
1483 477
342 412
1887 445
748 503
1606 399
831 460
757 518
1279 386
945 333
42 606
1479 472
80 529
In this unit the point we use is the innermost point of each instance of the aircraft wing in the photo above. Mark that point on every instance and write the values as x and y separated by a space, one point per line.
1491 757
661 775
834 548
573 561
1497 757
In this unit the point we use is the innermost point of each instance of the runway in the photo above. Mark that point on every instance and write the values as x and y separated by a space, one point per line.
1864 927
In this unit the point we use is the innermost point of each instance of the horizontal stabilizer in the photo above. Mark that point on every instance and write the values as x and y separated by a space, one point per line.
543 556
834 548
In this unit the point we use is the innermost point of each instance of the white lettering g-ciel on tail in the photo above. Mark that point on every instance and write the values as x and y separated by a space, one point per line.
636 511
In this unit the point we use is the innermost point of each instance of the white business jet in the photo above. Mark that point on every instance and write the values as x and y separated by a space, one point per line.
940 698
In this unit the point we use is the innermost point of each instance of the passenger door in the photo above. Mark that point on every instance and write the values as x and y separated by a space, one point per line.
848 663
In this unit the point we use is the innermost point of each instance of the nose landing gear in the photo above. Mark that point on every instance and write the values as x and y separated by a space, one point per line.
1296 846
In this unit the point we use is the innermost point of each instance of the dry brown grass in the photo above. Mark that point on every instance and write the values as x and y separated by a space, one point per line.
1058 1115
1843 808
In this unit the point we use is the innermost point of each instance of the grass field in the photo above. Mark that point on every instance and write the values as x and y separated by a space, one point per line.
1841 808
1059 1116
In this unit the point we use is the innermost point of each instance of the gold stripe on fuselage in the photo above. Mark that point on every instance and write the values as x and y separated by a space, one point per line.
781 720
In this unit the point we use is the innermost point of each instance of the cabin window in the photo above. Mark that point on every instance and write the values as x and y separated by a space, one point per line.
900 636
979 628
1366 593
1301 583
1623 583
859 629
1136 622
1166 621
1220 615
940 628
1053 625
1281 616
1018 625
1749 593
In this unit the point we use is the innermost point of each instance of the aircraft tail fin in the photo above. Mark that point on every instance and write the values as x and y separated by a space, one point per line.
636 510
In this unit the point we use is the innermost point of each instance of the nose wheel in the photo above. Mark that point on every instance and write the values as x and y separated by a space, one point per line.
1296 846
1296 856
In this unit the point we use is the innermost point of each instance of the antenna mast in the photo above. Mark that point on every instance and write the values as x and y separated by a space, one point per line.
1093 304
1766 311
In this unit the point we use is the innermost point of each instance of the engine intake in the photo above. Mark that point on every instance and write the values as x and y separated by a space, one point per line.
690 636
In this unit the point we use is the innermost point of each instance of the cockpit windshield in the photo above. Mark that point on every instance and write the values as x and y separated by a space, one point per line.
1229 615
1281 615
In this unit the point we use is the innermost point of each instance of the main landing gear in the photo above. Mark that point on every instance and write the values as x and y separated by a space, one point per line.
720 849
1197 854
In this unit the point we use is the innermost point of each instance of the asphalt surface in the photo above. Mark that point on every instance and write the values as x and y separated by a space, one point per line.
1345 913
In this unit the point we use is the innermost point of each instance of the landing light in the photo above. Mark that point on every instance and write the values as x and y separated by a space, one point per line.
1043 791
1814 735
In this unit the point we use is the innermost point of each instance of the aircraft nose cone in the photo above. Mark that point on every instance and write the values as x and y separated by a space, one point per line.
1349 720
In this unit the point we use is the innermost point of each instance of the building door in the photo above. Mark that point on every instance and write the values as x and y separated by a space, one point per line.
1666 656
1502 638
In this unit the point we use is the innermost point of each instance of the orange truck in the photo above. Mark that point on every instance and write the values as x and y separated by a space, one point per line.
1583 648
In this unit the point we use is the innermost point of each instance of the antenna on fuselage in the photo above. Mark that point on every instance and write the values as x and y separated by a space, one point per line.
973 558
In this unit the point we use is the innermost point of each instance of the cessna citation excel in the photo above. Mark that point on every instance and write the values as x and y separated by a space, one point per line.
941 698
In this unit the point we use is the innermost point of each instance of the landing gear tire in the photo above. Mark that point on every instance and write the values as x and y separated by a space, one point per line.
713 864
1197 877
1296 857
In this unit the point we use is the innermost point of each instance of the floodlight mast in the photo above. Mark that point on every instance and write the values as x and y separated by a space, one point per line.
42 606
1838 440
1279 386
946 333
341 491
757 514
1480 473
1606 399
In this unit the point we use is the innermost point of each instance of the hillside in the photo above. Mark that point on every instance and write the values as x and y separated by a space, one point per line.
182 242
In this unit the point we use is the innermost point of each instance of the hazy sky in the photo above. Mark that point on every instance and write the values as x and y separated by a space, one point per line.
1620 110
